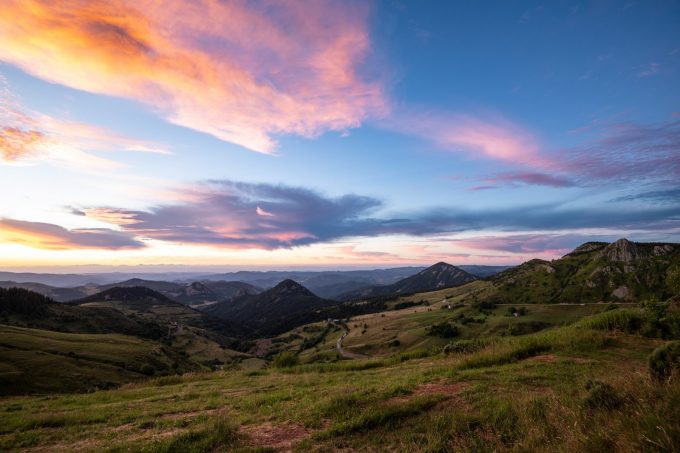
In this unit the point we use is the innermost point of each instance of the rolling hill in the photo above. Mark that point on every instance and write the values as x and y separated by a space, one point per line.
438 276
270 312
51 346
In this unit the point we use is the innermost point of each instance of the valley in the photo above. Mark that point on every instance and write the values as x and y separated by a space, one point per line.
518 360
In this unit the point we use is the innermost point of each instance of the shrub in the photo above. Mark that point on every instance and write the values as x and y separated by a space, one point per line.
443 330
602 396
467 346
673 278
147 369
484 305
663 360
286 359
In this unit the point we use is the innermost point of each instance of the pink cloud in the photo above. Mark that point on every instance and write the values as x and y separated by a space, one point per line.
216 67
492 137
263 213
610 154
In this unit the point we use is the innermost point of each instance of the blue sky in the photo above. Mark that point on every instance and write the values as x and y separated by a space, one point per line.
334 133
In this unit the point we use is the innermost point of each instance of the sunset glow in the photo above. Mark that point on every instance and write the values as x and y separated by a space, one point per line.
276 134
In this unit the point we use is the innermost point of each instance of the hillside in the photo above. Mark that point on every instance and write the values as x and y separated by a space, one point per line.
583 387
135 312
269 312
44 361
438 276
593 272
20 307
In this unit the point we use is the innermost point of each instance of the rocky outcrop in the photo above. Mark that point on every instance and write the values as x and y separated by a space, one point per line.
622 251
622 292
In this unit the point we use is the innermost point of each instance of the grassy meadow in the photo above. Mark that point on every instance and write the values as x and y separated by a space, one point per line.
580 387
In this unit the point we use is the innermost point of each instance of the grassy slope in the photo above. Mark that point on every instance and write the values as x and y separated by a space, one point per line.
520 393
33 360
196 342
373 334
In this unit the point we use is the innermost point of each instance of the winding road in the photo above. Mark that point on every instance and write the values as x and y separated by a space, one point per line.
338 344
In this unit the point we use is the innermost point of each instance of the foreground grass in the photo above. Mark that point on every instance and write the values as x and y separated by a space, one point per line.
529 393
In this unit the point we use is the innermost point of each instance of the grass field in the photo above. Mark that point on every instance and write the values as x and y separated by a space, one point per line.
34 360
406 330
513 393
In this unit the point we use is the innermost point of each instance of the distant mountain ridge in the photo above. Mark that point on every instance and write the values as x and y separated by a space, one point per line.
195 293
183 286
438 276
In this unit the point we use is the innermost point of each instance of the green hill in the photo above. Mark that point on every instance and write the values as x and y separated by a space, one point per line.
139 315
42 361
593 272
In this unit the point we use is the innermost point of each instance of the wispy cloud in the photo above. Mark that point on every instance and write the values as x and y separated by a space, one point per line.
530 243
253 71
515 179
670 196
616 154
49 236
487 136
28 136
650 70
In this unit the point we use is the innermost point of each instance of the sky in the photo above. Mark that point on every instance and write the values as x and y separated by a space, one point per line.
333 134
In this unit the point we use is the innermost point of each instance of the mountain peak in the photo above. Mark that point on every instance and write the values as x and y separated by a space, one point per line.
291 286
441 267
622 250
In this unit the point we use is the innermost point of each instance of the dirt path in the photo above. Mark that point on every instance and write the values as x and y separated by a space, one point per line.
338 344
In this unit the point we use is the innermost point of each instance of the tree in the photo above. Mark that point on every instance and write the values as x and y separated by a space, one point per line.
673 278
286 359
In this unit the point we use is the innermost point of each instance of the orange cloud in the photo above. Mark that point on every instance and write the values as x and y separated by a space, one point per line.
16 143
49 236
241 71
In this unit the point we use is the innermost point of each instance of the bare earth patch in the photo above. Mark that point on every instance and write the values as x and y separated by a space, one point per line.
543 358
433 388
279 437
190 414
261 347
439 388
